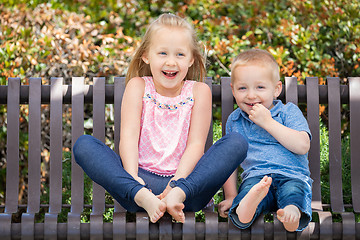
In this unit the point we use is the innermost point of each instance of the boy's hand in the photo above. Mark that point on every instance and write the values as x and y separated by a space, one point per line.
260 115
224 206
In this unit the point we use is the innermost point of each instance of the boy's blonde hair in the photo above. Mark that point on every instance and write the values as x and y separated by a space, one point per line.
138 68
257 57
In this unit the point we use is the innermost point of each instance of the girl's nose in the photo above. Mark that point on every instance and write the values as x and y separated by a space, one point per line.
170 61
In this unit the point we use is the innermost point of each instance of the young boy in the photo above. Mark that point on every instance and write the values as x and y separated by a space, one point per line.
276 175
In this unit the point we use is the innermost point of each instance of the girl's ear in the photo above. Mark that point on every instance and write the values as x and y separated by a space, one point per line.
278 88
145 59
191 62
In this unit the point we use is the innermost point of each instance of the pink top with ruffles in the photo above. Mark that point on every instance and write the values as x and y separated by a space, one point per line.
164 130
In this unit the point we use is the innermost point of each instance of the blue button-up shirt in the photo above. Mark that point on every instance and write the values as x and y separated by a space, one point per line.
265 154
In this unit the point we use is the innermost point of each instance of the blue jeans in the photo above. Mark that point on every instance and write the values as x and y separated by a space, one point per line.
282 192
104 167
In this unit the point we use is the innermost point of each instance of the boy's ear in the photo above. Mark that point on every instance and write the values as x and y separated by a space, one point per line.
278 89
145 59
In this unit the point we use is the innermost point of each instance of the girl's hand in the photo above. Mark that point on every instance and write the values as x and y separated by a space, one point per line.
224 206
166 190
140 180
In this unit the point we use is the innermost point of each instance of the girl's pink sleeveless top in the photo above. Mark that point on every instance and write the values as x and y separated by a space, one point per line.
164 128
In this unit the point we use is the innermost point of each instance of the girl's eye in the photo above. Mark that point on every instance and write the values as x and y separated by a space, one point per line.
181 54
162 53
261 87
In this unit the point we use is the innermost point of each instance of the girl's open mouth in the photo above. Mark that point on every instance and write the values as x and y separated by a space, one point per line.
169 74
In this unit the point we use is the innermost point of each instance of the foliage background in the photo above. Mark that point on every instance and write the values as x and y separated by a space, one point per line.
97 38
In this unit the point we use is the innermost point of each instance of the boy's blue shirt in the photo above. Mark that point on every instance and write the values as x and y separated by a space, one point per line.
265 154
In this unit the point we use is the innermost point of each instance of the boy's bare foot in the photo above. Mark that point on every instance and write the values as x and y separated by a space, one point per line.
152 205
174 204
290 217
247 206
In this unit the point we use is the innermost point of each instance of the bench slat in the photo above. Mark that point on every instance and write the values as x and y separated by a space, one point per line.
227 102
56 144
291 90
77 174
209 140
354 93
12 167
77 129
211 225
258 228
99 133
119 85
165 228
189 230
96 217
34 160
314 153
335 163
142 226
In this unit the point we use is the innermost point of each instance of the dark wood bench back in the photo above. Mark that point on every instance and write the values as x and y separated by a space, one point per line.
99 94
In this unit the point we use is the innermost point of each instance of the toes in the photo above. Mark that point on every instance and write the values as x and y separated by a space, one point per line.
280 215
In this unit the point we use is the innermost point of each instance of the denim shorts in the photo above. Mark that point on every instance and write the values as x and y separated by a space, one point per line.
283 191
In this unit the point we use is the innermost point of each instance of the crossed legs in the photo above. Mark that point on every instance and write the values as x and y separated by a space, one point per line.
104 167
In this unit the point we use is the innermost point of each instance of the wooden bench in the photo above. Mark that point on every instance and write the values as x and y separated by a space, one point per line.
333 95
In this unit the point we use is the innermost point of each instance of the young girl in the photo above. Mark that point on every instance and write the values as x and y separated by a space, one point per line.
165 119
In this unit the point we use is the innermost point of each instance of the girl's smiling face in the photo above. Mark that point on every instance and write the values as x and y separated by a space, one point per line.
170 57
253 84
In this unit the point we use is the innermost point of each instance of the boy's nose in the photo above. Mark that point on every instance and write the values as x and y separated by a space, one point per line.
251 94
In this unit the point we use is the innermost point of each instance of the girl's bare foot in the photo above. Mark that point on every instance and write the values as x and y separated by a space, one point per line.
290 217
152 205
174 204
247 206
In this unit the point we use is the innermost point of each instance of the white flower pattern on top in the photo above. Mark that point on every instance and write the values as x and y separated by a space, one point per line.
164 129
168 106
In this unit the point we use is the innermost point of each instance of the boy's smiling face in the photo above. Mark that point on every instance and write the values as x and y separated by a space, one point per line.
253 84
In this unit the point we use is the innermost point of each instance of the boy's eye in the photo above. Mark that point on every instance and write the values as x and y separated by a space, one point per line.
162 53
242 88
261 87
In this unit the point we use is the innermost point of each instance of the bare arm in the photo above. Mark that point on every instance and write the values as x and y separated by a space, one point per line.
295 141
198 132
230 192
131 108
230 189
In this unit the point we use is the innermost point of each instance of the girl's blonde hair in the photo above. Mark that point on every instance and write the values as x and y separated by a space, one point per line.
257 57
138 68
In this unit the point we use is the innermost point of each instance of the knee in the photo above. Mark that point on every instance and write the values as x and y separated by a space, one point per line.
237 143
81 146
